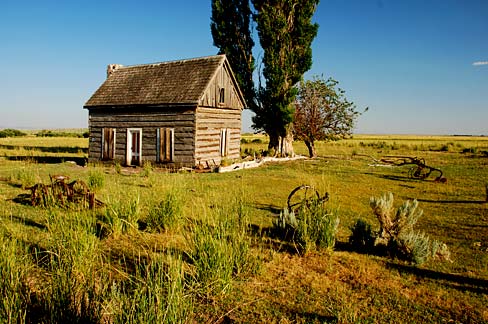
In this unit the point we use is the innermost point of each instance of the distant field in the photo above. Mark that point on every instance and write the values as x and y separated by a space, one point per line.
406 143
109 266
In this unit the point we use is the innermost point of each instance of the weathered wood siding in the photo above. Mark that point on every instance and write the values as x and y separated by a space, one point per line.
182 120
221 80
212 117
209 123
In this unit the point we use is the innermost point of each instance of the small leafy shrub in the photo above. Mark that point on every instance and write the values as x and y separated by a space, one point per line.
362 237
252 152
257 141
245 141
270 152
317 227
286 224
147 169
96 180
25 176
445 148
225 162
166 215
8 132
117 168
58 133
411 246
398 235
472 150
312 227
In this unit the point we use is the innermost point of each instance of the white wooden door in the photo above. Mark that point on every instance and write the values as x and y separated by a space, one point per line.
134 146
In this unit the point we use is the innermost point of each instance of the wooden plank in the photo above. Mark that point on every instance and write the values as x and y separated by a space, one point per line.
142 119
187 126
138 111
217 116
218 111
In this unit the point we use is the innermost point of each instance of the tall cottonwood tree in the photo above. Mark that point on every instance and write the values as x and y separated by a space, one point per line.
231 31
286 33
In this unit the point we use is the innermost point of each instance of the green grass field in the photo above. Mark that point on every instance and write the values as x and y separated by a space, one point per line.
189 247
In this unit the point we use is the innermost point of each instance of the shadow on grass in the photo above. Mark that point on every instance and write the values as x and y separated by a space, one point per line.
28 222
393 177
316 318
23 199
277 240
47 149
463 283
402 178
270 208
49 159
378 250
452 201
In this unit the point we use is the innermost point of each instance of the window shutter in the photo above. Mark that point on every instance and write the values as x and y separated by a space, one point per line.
108 147
227 141
166 144
224 141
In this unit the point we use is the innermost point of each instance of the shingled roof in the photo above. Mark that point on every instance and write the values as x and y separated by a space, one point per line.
169 83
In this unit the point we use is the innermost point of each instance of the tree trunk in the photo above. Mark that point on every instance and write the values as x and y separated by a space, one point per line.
311 149
287 145
282 146
274 143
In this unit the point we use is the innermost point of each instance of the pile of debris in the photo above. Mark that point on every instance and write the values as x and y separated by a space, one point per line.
63 193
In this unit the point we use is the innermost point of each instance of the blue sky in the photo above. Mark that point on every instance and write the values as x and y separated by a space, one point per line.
420 66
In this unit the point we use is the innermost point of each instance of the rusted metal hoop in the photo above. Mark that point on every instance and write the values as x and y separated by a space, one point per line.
306 199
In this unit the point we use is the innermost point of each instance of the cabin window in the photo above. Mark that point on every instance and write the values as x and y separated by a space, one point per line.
165 144
224 141
221 96
108 144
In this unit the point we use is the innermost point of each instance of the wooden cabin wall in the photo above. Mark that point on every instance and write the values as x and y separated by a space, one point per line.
210 122
149 121
212 94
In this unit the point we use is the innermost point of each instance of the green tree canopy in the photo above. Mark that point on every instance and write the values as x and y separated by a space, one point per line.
231 32
286 33
322 112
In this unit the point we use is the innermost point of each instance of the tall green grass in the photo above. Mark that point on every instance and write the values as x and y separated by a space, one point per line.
194 267
14 267
76 286
24 175
220 248
156 293
168 214
122 217
96 179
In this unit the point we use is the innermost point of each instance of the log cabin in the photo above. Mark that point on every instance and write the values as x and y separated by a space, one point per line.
177 113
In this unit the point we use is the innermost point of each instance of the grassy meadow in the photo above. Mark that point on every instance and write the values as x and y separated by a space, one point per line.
199 247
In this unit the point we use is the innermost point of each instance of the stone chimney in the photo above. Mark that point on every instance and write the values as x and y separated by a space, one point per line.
112 67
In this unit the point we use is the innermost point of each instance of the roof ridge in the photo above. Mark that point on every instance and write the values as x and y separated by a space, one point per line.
222 56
